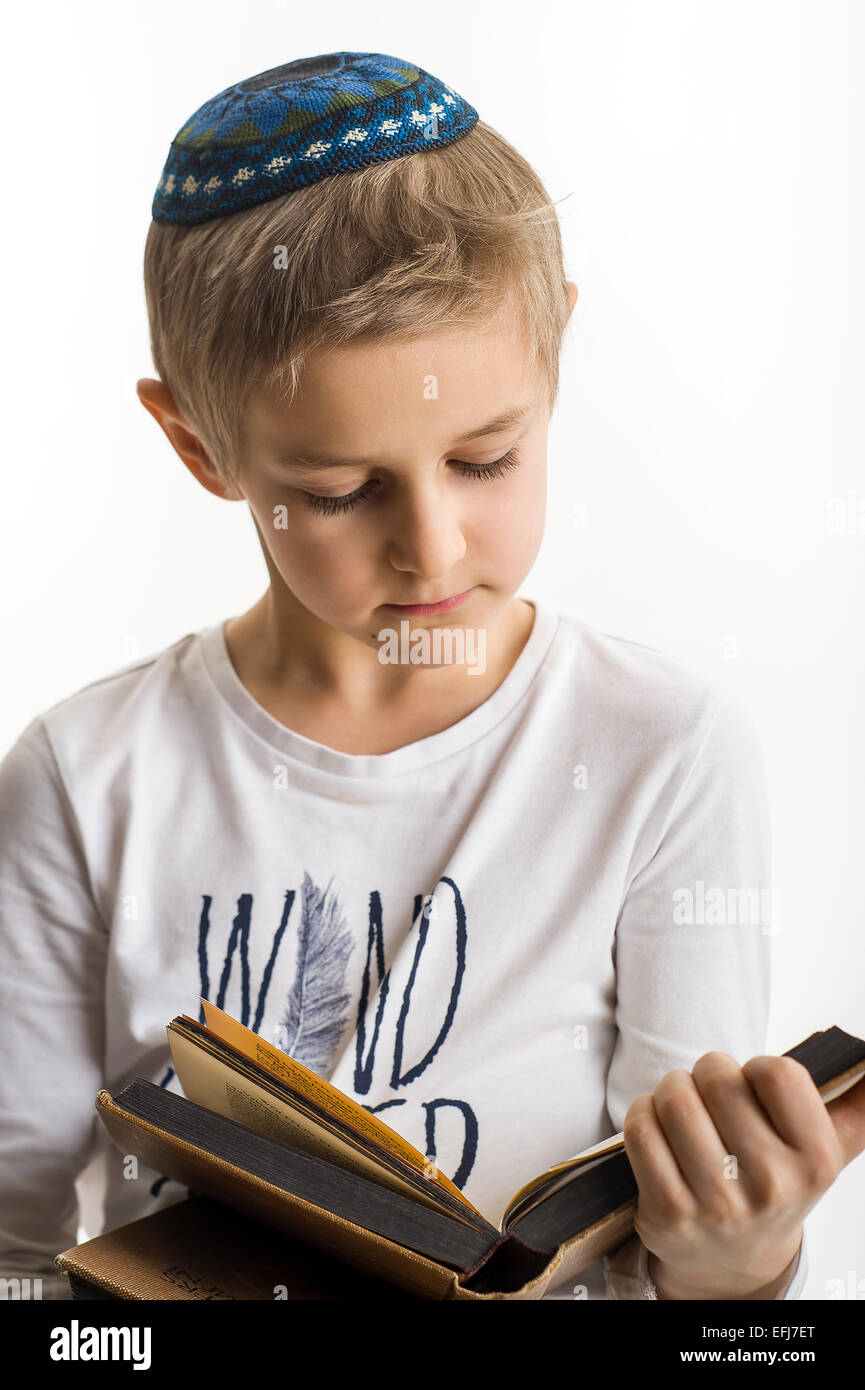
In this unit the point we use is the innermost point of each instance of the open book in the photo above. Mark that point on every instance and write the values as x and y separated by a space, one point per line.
263 1135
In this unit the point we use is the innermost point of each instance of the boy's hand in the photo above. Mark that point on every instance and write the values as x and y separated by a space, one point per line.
728 1161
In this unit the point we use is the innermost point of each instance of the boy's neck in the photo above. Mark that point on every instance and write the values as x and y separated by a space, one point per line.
351 709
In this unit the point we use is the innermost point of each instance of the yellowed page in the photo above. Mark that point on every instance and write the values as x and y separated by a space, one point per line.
330 1098
831 1090
207 1081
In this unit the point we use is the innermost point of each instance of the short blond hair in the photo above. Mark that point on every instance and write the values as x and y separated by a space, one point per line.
427 242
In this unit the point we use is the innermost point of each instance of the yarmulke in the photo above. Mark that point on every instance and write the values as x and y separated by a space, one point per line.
290 126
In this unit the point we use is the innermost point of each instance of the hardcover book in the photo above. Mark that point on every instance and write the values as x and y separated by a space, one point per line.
298 1191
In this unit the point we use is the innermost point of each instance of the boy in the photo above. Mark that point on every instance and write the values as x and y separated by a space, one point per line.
446 877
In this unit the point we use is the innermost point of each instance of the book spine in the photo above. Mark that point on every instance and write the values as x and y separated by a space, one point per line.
509 1265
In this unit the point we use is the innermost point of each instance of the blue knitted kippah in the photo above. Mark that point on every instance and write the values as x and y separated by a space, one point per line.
290 126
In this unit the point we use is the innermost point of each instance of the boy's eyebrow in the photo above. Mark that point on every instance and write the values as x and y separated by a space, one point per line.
505 421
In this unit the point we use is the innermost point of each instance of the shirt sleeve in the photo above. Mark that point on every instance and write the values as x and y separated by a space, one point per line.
53 947
627 1272
692 943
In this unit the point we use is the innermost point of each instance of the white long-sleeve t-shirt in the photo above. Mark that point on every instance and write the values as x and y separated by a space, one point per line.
494 937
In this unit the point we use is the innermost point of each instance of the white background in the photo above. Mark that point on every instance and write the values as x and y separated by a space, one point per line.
711 399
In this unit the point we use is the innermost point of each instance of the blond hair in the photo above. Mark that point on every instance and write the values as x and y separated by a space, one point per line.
432 240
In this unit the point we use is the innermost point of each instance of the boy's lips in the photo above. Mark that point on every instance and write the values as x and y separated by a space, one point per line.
439 607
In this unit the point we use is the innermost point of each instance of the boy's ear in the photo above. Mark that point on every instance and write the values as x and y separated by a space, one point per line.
572 294
158 400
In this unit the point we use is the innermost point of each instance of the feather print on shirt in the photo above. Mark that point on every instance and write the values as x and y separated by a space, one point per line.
316 1011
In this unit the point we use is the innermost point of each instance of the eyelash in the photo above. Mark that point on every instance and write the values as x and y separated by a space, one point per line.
332 505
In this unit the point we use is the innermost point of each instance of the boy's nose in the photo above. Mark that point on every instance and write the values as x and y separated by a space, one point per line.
427 538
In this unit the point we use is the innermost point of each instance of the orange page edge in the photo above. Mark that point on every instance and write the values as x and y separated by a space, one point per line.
281 1065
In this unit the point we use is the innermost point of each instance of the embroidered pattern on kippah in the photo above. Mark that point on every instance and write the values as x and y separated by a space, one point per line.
288 127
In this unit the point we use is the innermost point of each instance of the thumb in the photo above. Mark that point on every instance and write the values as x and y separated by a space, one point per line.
847 1114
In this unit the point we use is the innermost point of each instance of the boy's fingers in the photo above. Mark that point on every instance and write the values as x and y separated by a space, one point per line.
653 1163
786 1091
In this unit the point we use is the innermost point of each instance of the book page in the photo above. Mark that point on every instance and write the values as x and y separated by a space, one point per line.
831 1090
208 1082
536 1189
321 1093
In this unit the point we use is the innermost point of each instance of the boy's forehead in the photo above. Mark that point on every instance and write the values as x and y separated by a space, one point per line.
321 430
438 362
462 381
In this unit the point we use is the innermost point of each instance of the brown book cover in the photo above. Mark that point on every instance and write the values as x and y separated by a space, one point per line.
201 1250
331 1234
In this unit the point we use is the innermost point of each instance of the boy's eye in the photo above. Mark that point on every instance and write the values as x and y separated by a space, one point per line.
351 500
